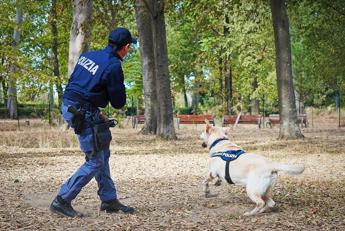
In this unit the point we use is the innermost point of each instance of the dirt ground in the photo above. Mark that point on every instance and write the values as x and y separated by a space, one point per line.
162 180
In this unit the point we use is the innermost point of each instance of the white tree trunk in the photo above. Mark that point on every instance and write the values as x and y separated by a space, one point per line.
80 31
12 88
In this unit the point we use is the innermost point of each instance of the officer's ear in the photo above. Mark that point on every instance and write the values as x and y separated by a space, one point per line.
124 48
128 45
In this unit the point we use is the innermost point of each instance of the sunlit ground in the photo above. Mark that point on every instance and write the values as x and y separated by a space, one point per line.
162 180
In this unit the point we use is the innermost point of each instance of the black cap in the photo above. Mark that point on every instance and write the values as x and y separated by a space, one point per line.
120 37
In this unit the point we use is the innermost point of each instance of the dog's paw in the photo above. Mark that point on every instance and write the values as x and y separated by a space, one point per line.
247 214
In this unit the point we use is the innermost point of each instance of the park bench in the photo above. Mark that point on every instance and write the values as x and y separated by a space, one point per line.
137 119
243 119
275 119
193 119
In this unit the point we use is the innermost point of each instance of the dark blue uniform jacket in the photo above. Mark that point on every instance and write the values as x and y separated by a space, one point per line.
97 79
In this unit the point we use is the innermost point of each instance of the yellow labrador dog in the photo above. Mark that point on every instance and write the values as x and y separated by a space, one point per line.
231 163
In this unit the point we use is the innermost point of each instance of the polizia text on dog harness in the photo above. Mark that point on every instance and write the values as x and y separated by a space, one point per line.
227 156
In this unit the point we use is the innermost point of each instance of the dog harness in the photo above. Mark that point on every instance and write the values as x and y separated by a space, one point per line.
227 156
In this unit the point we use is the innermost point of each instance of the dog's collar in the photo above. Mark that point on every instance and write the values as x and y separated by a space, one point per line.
216 142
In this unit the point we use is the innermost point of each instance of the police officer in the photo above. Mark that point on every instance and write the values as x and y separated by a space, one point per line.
97 79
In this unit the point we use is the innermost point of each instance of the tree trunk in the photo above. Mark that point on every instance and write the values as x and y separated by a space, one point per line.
12 88
289 128
4 91
185 98
152 37
165 123
221 74
227 70
51 102
112 10
143 19
1 95
255 107
137 111
55 54
80 31
228 87
3 85
196 97
196 89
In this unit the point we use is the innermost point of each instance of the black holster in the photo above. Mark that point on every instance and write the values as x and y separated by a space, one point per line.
102 135
78 119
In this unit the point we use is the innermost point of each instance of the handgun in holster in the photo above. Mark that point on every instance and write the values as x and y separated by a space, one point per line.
78 119
102 134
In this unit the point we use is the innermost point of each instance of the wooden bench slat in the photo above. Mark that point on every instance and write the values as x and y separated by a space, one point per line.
193 119
275 119
181 119
244 119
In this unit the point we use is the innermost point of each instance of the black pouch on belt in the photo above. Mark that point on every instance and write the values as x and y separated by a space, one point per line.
102 134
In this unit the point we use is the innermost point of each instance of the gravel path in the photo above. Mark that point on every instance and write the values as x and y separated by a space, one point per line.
162 180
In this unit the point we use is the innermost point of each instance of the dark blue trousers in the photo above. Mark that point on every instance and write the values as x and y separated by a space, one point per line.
95 166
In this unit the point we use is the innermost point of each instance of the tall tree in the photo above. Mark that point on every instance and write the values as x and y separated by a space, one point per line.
227 65
289 128
254 109
12 88
80 31
3 84
164 113
55 46
145 30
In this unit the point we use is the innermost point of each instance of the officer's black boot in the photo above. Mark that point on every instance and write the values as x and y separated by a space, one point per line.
114 206
62 207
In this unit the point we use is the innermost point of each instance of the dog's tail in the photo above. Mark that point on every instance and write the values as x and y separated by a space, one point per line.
292 169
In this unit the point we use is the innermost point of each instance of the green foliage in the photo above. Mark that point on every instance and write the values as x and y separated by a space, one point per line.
318 37
201 36
27 110
183 110
133 75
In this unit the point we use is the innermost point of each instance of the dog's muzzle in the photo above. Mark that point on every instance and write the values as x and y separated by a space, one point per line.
204 145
